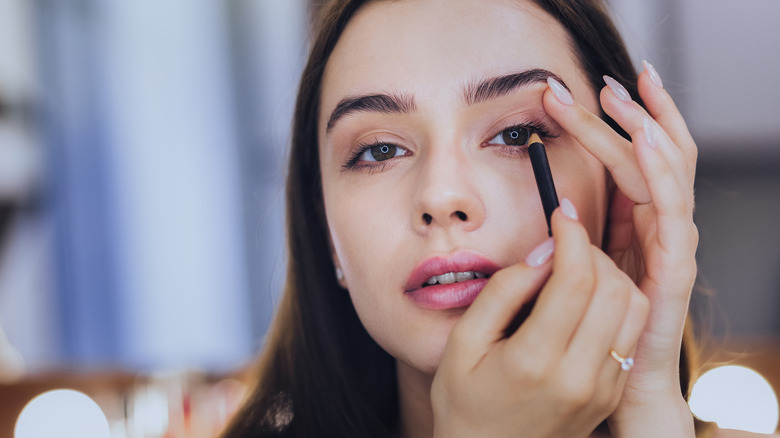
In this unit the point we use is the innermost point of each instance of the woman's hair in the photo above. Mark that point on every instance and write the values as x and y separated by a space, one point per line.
320 373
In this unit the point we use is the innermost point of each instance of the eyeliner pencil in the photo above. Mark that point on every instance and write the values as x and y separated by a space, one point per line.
544 180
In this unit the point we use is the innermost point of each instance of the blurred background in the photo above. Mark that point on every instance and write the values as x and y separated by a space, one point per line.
142 151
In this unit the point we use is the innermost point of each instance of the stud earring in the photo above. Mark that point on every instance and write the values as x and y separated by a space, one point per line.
339 274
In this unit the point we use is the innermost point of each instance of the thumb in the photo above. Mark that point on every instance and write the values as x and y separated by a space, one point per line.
493 311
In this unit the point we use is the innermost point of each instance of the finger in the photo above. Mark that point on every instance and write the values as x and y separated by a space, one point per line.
598 330
601 140
486 320
565 296
630 116
668 196
673 204
633 324
665 112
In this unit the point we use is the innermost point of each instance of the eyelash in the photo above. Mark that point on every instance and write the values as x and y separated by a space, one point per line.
540 128
353 161
354 164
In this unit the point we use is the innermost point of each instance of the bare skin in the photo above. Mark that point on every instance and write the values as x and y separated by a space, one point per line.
431 175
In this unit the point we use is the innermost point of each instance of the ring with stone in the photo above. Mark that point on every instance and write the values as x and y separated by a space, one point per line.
626 363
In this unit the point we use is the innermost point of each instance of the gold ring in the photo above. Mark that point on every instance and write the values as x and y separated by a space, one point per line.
626 363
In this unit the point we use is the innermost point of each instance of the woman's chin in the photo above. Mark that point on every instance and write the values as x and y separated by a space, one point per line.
424 363
417 337
427 351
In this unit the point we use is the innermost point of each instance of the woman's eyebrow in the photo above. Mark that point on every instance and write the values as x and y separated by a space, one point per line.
495 87
381 103
486 89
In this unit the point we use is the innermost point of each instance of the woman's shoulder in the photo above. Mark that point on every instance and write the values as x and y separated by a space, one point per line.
731 433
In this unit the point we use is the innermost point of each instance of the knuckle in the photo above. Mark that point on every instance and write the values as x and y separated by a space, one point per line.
615 290
607 401
694 235
575 395
613 283
640 302
579 277
586 117
592 119
693 152
618 300
527 368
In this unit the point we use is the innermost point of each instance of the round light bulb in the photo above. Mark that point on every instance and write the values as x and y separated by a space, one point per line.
62 413
735 397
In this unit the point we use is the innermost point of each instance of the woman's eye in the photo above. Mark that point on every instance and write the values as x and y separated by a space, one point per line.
514 136
381 152
372 157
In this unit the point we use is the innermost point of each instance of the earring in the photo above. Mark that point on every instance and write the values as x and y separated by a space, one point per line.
339 274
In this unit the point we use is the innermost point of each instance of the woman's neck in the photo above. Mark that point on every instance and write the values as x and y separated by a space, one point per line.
414 398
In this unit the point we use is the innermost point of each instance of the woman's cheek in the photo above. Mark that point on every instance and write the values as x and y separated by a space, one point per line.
366 230
581 178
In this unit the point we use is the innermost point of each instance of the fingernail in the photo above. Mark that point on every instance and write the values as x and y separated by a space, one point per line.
618 89
654 76
560 92
649 129
568 210
541 253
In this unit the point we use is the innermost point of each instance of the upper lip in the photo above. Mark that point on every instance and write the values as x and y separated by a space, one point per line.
459 262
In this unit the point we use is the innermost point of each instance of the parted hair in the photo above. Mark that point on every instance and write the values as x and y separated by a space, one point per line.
319 372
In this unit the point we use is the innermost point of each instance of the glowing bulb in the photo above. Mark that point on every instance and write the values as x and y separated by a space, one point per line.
63 413
735 397
150 411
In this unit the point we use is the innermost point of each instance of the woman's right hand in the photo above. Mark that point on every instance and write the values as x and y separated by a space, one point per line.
554 376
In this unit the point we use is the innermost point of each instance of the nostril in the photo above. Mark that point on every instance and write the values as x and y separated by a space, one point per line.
427 218
462 216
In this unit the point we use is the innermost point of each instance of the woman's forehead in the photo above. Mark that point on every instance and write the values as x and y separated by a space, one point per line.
420 47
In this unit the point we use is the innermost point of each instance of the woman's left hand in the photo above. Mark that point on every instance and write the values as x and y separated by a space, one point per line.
651 235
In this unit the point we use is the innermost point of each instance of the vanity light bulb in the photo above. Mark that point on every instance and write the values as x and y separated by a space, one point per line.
62 413
735 397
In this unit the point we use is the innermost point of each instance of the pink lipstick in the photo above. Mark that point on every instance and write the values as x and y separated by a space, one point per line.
449 282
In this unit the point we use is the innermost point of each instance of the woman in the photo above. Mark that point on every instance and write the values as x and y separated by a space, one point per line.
423 296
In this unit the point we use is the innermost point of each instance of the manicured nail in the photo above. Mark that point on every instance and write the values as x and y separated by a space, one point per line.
560 92
649 129
654 76
541 253
568 210
618 89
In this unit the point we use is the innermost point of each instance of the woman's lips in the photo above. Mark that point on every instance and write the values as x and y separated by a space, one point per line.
453 295
448 296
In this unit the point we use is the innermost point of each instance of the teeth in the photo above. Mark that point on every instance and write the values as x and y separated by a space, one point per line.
447 278
463 276
454 277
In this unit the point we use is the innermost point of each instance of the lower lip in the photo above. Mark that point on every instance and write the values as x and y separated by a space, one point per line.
448 296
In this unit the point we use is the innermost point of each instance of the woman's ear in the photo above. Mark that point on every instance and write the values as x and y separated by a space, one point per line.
336 264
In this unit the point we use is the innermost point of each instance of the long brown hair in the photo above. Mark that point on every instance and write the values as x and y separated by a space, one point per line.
320 373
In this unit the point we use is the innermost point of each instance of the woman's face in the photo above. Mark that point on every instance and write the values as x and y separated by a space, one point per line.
424 109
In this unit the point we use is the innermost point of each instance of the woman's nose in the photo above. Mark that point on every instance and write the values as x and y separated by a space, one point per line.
448 196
